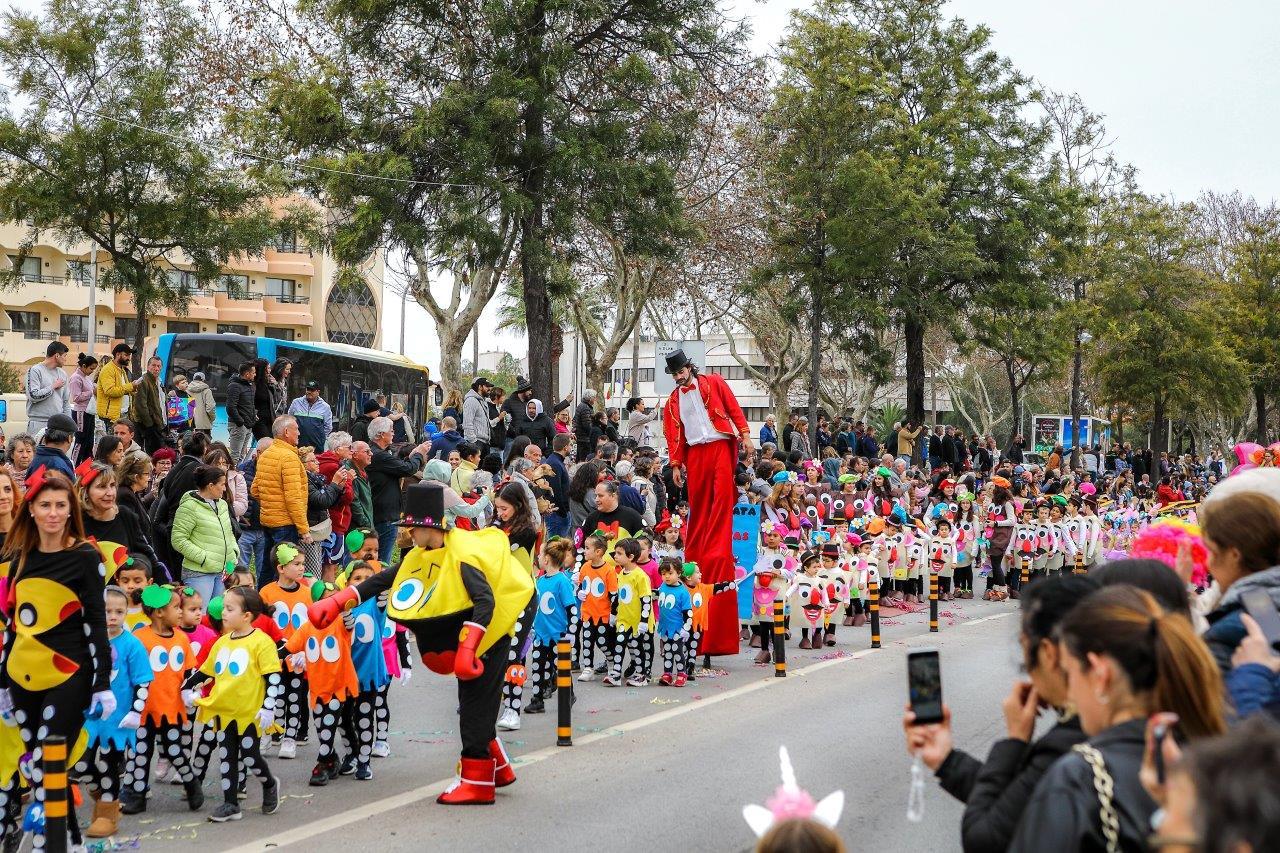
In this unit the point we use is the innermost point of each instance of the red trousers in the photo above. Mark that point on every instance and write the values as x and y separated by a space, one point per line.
708 537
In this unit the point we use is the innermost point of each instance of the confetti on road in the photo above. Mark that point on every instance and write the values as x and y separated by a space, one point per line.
661 701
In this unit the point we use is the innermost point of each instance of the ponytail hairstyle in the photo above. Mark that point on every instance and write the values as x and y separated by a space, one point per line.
1168 667
86 360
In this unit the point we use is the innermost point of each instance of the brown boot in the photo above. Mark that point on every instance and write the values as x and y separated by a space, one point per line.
804 643
764 657
848 620
830 639
859 619
106 819
755 641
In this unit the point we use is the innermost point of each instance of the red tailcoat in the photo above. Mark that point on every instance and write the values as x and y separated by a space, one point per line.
709 478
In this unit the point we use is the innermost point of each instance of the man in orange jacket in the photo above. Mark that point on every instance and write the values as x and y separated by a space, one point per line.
703 424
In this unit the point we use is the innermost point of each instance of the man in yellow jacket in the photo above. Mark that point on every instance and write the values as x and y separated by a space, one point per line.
280 487
114 384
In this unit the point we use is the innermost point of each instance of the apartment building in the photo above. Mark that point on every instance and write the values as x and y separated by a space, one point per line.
287 294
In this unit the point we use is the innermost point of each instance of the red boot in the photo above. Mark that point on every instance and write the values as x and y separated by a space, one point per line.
474 786
503 774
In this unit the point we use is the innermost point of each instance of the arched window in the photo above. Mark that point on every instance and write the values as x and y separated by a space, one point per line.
351 315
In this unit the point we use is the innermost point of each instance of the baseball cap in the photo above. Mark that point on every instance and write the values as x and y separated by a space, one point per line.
371 405
313 385
62 423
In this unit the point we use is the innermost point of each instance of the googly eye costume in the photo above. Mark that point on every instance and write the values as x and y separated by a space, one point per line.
465 604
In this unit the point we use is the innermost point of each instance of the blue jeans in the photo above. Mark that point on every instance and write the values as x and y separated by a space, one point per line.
386 531
275 535
253 549
208 584
557 525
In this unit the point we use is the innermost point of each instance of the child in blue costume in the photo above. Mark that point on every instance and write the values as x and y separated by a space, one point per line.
110 737
557 604
675 618
366 622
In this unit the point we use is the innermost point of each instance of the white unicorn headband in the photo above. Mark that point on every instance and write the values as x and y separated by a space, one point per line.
791 801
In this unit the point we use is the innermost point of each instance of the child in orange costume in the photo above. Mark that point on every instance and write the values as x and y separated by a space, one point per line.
165 724
701 594
325 655
287 600
597 589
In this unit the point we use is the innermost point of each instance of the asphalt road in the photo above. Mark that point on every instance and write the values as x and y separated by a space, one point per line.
651 768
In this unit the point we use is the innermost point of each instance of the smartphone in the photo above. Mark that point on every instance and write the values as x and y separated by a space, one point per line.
1158 735
924 685
1258 604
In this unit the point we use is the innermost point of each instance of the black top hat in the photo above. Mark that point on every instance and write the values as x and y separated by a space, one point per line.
424 506
676 359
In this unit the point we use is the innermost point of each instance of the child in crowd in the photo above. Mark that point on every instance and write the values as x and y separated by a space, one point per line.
165 726
395 651
359 717
325 655
633 615
201 636
245 670
286 600
675 612
598 592
669 544
557 602
647 561
131 577
109 738
810 599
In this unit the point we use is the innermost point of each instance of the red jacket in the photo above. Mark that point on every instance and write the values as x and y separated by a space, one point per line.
1167 495
340 512
722 407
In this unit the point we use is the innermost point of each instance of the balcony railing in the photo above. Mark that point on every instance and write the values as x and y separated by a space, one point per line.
289 298
37 335
239 295
32 278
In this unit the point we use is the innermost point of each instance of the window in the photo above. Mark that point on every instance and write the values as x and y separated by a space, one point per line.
232 329
25 321
287 242
74 326
755 413
182 279
280 333
281 288
29 269
646 374
80 272
236 285
218 360
351 315
182 327
127 328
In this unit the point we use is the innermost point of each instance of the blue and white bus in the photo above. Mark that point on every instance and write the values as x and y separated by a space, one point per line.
348 375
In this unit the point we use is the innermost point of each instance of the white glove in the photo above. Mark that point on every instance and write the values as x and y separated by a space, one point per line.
298 661
131 720
644 629
683 635
104 701
6 708
582 595
264 719
189 698
405 675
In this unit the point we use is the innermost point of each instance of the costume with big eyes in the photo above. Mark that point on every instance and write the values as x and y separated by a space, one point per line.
288 608
700 600
165 727
366 623
56 655
332 683
246 685
598 593
834 582
633 623
675 624
556 603
808 595
438 595
131 673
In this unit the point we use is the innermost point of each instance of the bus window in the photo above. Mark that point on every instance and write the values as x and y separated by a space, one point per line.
217 358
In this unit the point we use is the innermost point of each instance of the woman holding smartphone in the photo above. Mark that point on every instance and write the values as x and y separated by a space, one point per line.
996 792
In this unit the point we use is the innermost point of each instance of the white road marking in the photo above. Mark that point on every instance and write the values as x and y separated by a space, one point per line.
434 789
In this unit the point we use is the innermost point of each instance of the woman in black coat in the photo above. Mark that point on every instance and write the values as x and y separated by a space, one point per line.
996 792
536 424
263 402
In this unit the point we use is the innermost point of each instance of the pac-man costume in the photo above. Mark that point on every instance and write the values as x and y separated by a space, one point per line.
56 653
463 602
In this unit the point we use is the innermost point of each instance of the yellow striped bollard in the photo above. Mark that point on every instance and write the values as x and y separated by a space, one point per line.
564 691
779 640
54 782
873 605
933 603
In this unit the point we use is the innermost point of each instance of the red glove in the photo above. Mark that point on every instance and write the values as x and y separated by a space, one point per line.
465 665
324 611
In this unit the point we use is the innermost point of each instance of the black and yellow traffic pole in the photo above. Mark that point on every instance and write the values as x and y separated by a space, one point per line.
779 639
1079 567
54 782
933 603
873 605
564 691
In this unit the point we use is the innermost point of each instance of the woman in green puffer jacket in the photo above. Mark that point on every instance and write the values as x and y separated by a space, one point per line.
203 535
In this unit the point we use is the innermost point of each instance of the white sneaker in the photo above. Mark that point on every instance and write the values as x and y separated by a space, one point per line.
508 720
381 750
587 675
637 681
288 748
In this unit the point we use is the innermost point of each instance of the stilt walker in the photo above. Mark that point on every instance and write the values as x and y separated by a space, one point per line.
704 426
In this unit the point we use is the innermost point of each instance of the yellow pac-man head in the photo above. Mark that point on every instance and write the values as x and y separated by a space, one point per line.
42 604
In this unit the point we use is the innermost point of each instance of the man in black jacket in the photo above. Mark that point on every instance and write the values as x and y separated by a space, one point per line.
582 425
514 407
558 519
240 412
385 473
360 426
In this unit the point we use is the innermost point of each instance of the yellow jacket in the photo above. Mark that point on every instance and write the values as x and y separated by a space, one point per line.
113 387
280 485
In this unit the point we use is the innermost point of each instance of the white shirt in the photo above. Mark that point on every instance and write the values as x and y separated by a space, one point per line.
694 418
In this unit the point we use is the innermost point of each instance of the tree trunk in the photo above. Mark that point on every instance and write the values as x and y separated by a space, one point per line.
451 357
1076 366
557 352
1260 403
1159 434
635 361
140 334
1015 400
533 248
815 335
913 342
